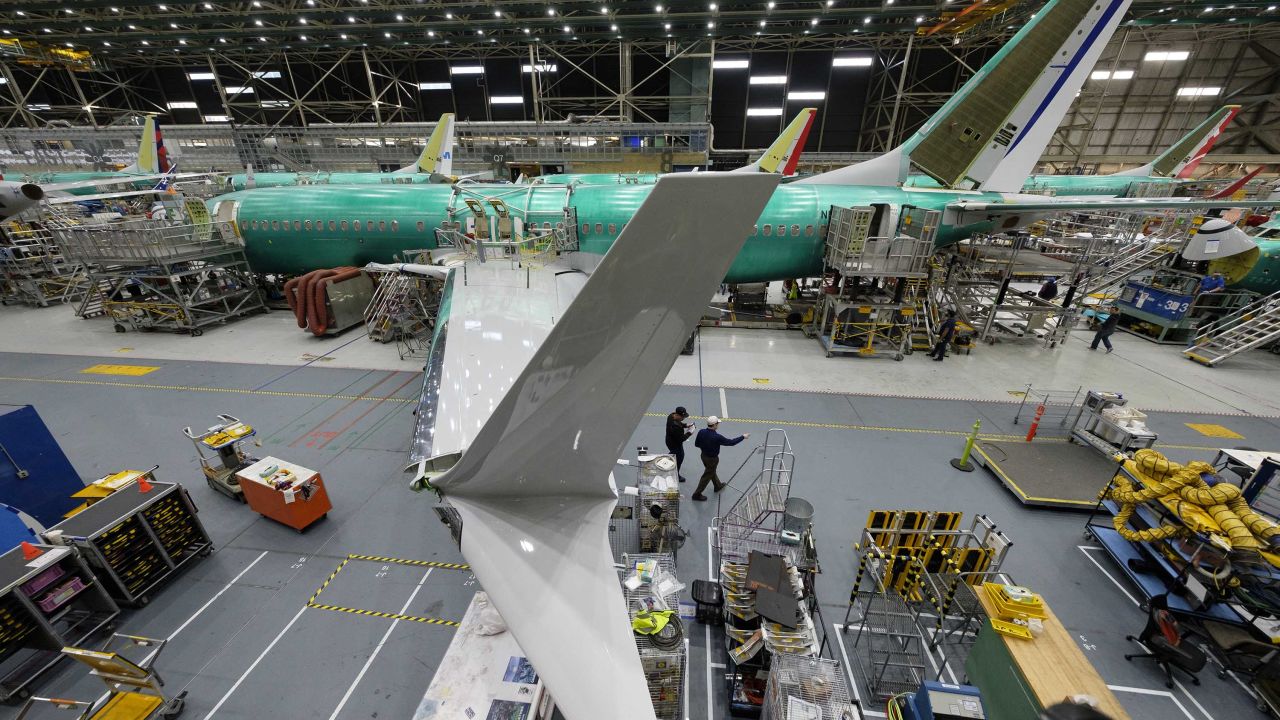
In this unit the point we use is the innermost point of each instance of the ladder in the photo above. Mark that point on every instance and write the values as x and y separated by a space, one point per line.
758 511
1125 264
1253 325
925 318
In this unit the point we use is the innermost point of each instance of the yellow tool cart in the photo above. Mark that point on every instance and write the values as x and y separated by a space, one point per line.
104 486
135 690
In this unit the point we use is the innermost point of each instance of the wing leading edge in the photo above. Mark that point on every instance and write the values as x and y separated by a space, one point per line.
532 488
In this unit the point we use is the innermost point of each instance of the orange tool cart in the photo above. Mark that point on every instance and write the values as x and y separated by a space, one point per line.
287 493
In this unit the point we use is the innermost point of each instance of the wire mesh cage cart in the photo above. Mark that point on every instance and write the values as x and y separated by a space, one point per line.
808 688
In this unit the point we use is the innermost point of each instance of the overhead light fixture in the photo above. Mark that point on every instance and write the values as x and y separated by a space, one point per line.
1166 55
200 76
551 11
866 21
1193 92
182 105
814 21
434 86
657 8
527 31
162 7
852 61
764 112
342 36
399 18
216 118
222 41
173 26
351 18
506 100
257 3
711 26
144 42
466 69
830 3
88 29
303 38
238 90
262 39
613 28
763 23
806 95
771 5
448 16
302 21
567 28
267 74
768 79
666 26
919 19
1109 75
604 11
541 67
37 107
431 33
386 34
182 42
497 13
713 7
133 27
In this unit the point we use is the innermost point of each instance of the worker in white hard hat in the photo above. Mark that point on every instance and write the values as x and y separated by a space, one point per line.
709 441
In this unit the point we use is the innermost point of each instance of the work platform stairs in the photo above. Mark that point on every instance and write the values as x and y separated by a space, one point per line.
1254 325
754 519
1129 262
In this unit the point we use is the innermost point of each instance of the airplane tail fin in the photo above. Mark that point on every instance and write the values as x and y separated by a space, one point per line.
151 156
784 153
1181 159
437 156
1234 187
990 134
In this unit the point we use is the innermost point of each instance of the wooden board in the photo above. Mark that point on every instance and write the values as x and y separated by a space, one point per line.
1055 667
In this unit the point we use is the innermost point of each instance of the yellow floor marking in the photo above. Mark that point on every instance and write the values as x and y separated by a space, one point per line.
761 381
1215 431
134 370
377 613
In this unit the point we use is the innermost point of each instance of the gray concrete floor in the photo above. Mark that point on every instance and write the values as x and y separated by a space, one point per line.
244 644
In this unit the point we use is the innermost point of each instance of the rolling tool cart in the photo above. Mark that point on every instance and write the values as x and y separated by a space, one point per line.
137 537
224 440
134 689
48 599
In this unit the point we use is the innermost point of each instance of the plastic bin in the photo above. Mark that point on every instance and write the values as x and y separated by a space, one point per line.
43 580
61 595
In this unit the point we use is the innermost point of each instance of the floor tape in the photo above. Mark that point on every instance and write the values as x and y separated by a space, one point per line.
377 613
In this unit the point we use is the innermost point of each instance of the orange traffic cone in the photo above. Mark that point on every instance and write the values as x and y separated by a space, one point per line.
30 552
143 485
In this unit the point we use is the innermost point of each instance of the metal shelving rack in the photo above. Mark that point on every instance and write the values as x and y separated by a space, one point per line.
664 668
33 270
47 603
136 540
151 275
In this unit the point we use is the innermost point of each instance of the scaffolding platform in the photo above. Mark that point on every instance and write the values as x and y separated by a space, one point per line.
153 275
1047 473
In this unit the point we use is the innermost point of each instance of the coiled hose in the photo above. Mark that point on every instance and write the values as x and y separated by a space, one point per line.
1184 491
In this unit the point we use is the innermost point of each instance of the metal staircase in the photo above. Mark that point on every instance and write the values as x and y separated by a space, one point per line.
1125 264
1254 325
752 522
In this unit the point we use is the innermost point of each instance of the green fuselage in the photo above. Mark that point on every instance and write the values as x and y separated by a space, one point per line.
600 178
1075 185
294 230
285 179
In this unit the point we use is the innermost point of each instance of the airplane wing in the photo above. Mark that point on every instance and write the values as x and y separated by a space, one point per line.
970 210
122 180
538 438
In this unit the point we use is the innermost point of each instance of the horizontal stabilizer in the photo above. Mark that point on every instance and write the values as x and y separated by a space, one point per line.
533 487
1182 158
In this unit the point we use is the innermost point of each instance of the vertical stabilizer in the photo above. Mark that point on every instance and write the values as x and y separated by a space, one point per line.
1182 158
149 145
784 153
990 134
437 156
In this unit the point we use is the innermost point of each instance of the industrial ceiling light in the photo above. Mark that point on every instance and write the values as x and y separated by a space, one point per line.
762 23
262 39
666 26
568 29
207 6
851 62
259 22
771 5
711 26
527 31
448 16
386 34
497 13
163 7
303 38
730 64
866 21
144 42
713 7
551 11
173 25
222 40
813 21
302 21
399 17
919 19
657 8
343 36
431 33
613 28
764 112
256 3
768 80
133 27
604 11
182 42
350 19
1166 55
830 3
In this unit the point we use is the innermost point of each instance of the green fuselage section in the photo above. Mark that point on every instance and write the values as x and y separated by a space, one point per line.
285 179
294 230
600 178
1076 185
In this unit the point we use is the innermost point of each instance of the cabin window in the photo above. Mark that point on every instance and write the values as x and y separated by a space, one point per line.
382 226
755 229
333 226
559 226
599 228
254 224
586 228
613 228
822 230
782 231
421 226
808 231
795 231
319 224
244 224
297 225
369 226
307 224
395 226
355 225
344 225
275 224
768 230
546 226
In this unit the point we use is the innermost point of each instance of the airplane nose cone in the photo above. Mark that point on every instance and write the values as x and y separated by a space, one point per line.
31 191
1217 239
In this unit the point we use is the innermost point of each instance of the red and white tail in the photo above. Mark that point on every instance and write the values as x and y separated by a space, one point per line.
1234 187
1182 158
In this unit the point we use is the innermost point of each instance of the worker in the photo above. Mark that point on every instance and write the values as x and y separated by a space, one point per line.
678 430
1212 283
1105 330
946 331
1049 290
709 441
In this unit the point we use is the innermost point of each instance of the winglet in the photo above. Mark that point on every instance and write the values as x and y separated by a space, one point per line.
990 134
437 156
781 157
1182 158
533 488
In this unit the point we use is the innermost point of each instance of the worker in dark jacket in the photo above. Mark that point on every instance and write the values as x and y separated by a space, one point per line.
946 331
1049 290
709 441
1105 330
678 430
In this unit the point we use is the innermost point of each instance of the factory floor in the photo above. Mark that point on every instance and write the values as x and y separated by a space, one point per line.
868 434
